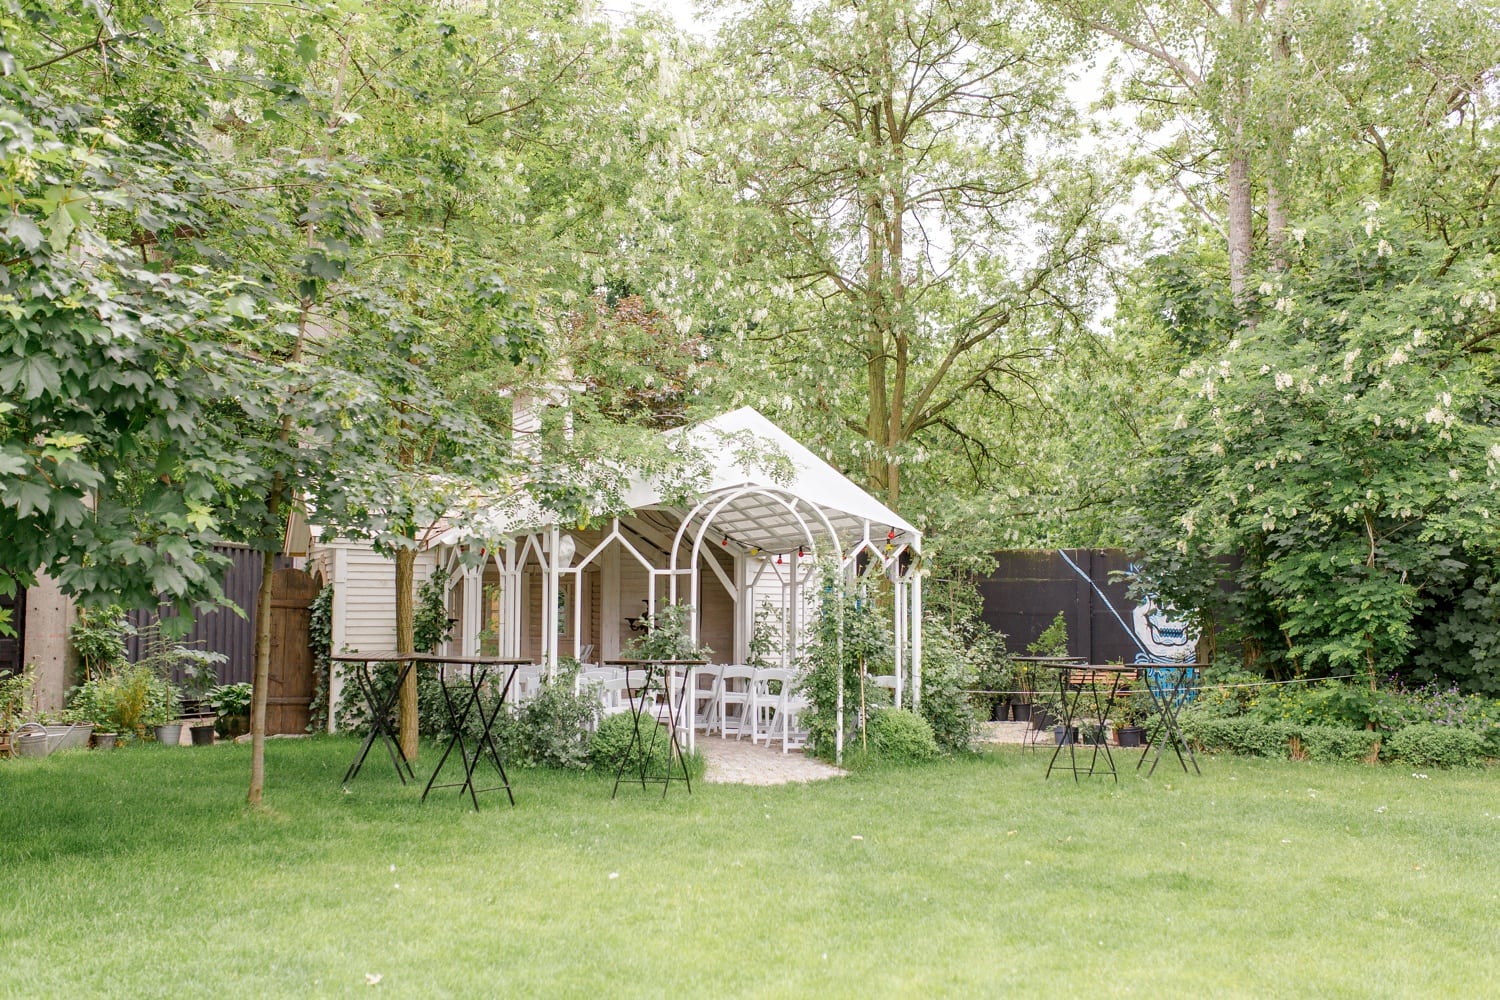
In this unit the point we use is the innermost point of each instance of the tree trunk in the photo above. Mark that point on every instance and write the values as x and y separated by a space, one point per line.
1280 133
1241 224
262 677
406 565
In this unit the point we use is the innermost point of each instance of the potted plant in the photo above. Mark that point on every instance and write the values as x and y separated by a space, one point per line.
1128 732
231 705
16 705
993 702
163 712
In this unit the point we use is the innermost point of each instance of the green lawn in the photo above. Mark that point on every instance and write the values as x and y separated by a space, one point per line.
140 873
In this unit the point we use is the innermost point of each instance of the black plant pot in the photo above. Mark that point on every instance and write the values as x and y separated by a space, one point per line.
230 726
1020 711
1063 737
1000 711
1041 718
1130 736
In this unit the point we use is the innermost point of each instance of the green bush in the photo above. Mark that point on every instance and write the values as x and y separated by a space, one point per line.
1333 743
950 667
901 735
554 727
1429 745
1326 703
1242 735
612 740
1249 737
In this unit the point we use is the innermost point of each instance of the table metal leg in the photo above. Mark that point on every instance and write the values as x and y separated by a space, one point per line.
380 724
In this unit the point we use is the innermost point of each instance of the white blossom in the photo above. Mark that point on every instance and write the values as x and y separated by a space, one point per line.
1284 380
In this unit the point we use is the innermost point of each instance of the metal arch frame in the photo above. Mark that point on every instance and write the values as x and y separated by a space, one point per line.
720 500
793 504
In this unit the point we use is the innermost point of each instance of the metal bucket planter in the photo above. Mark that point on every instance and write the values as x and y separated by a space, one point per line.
105 741
68 737
31 740
170 734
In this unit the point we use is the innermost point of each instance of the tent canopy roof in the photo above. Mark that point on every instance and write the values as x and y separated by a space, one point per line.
773 486
777 494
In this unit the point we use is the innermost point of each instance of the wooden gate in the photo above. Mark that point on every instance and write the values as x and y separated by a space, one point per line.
291 687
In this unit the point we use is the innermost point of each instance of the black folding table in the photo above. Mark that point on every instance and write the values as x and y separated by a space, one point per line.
1038 730
379 707
459 710
1168 685
1084 699
653 669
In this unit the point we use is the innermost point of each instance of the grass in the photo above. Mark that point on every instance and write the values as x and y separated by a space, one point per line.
140 872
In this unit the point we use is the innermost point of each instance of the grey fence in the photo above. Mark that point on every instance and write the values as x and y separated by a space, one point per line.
222 631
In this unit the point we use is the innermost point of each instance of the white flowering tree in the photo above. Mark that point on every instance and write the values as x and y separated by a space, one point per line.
1346 449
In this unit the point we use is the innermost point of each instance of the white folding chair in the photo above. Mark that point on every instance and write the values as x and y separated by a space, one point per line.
526 685
766 705
706 697
789 722
613 697
734 693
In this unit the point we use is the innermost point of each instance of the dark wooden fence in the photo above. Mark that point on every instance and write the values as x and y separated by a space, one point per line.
222 631
1029 588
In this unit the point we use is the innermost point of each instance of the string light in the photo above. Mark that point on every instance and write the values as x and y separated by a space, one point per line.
799 552
778 558
890 536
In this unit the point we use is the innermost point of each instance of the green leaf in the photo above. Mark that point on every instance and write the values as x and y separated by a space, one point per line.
307 49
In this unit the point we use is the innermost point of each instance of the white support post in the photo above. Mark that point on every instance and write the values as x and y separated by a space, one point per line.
339 577
473 609
838 726
900 629
549 603
610 615
916 640
509 637
794 619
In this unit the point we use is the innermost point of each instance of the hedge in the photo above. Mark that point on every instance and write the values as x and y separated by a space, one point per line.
1422 745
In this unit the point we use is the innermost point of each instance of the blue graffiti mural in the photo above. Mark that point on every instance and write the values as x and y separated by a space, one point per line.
1158 634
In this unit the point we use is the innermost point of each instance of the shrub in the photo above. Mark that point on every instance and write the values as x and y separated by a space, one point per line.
1327 703
1333 743
554 727
1429 745
611 741
949 669
901 735
1245 736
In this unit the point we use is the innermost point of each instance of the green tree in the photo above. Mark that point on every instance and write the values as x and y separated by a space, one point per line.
913 238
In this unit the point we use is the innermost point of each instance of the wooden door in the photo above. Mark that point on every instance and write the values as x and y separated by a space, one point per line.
291 687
